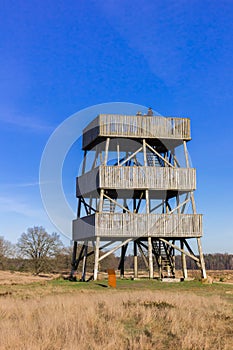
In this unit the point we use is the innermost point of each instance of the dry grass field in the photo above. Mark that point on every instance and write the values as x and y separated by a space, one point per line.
57 314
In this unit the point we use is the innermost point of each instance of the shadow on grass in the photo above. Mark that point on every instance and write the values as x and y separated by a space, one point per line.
102 285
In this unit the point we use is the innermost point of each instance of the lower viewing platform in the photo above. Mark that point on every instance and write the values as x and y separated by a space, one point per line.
123 225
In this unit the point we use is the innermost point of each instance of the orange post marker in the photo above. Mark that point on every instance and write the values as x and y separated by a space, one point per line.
111 278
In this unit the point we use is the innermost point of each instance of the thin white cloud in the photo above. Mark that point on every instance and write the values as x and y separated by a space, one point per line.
22 184
16 206
25 122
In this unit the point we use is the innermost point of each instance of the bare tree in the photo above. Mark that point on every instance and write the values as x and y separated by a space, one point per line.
6 251
6 248
39 246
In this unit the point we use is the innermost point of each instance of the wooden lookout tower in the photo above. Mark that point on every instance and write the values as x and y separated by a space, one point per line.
133 193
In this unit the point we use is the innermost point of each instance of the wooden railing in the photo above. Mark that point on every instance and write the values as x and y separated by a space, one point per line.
156 225
135 177
117 125
156 178
139 225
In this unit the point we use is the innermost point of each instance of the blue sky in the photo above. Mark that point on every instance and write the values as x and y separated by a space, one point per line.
58 57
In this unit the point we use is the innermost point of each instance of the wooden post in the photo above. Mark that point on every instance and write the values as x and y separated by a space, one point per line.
183 260
84 162
97 246
118 154
160 261
106 150
144 152
74 259
122 261
135 259
202 262
150 256
84 262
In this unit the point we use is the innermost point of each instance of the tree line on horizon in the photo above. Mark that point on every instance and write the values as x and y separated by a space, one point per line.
38 251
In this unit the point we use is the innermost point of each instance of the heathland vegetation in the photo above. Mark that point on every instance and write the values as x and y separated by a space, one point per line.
142 314
46 311
37 251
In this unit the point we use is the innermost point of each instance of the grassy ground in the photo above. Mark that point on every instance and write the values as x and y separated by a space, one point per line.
142 314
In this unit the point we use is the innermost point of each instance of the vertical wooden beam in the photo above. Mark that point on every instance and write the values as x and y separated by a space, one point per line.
106 150
160 260
97 246
118 154
79 207
90 205
150 253
84 162
100 209
150 256
183 260
186 154
144 152
202 261
201 257
74 258
101 200
84 267
135 259
122 261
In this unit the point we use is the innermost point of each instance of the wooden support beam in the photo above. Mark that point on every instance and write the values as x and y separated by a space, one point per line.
115 248
93 251
80 257
118 154
100 207
180 205
150 257
74 259
106 150
131 156
118 204
84 162
95 158
139 202
186 154
179 249
183 260
135 259
96 265
84 262
156 207
122 261
202 262
144 152
159 155
143 255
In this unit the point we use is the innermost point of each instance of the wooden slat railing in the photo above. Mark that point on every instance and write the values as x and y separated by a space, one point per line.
156 178
134 177
138 225
155 225
117 125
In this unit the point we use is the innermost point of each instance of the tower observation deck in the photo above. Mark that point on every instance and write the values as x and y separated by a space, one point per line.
134 191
